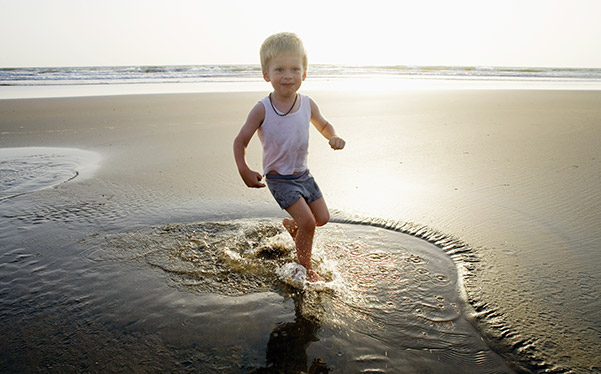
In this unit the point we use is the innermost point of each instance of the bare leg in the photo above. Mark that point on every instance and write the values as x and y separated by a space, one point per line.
305 223
290 226
302 229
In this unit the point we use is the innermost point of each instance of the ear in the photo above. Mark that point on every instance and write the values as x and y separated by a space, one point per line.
266 76
304 74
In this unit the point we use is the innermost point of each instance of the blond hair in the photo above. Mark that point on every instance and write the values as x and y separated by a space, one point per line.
284 43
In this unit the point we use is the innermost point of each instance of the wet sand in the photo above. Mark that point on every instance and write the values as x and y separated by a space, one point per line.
514 174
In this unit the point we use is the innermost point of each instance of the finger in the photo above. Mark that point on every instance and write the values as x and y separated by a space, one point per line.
259 184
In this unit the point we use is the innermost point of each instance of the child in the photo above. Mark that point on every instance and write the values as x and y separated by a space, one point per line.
282 120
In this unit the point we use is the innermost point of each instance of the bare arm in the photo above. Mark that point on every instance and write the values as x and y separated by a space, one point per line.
325 128
253 122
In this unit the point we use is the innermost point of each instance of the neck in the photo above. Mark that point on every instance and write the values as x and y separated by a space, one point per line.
283 99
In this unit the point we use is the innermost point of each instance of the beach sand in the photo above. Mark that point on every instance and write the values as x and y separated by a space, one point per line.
512 174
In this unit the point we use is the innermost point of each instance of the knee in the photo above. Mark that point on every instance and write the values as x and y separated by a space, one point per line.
308 223
322 219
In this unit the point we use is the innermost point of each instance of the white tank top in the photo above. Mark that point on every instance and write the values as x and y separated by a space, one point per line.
285 139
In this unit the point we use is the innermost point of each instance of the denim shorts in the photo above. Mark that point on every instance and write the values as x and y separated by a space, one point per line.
287 189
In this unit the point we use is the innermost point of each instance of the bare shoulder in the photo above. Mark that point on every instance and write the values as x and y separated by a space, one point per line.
316 116
257 112
256 116
314 108
253 122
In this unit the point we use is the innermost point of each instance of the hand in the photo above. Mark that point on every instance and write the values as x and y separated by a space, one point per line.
252 179
337 143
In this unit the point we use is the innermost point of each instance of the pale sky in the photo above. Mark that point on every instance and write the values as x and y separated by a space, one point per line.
538 33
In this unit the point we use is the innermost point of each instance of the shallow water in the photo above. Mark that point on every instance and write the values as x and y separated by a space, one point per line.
29 169
88 291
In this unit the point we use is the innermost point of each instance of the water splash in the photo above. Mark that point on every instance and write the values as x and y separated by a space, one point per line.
390 300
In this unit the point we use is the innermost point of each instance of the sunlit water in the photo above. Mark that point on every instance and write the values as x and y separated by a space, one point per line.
391 301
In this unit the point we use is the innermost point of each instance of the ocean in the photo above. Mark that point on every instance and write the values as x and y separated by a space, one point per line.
111 80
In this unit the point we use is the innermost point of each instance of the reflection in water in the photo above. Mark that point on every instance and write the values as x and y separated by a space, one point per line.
288 342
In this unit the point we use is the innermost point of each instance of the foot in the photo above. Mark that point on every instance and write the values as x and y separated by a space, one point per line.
312 276
291 227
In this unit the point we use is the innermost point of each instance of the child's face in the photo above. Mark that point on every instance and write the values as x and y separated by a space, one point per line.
286 73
